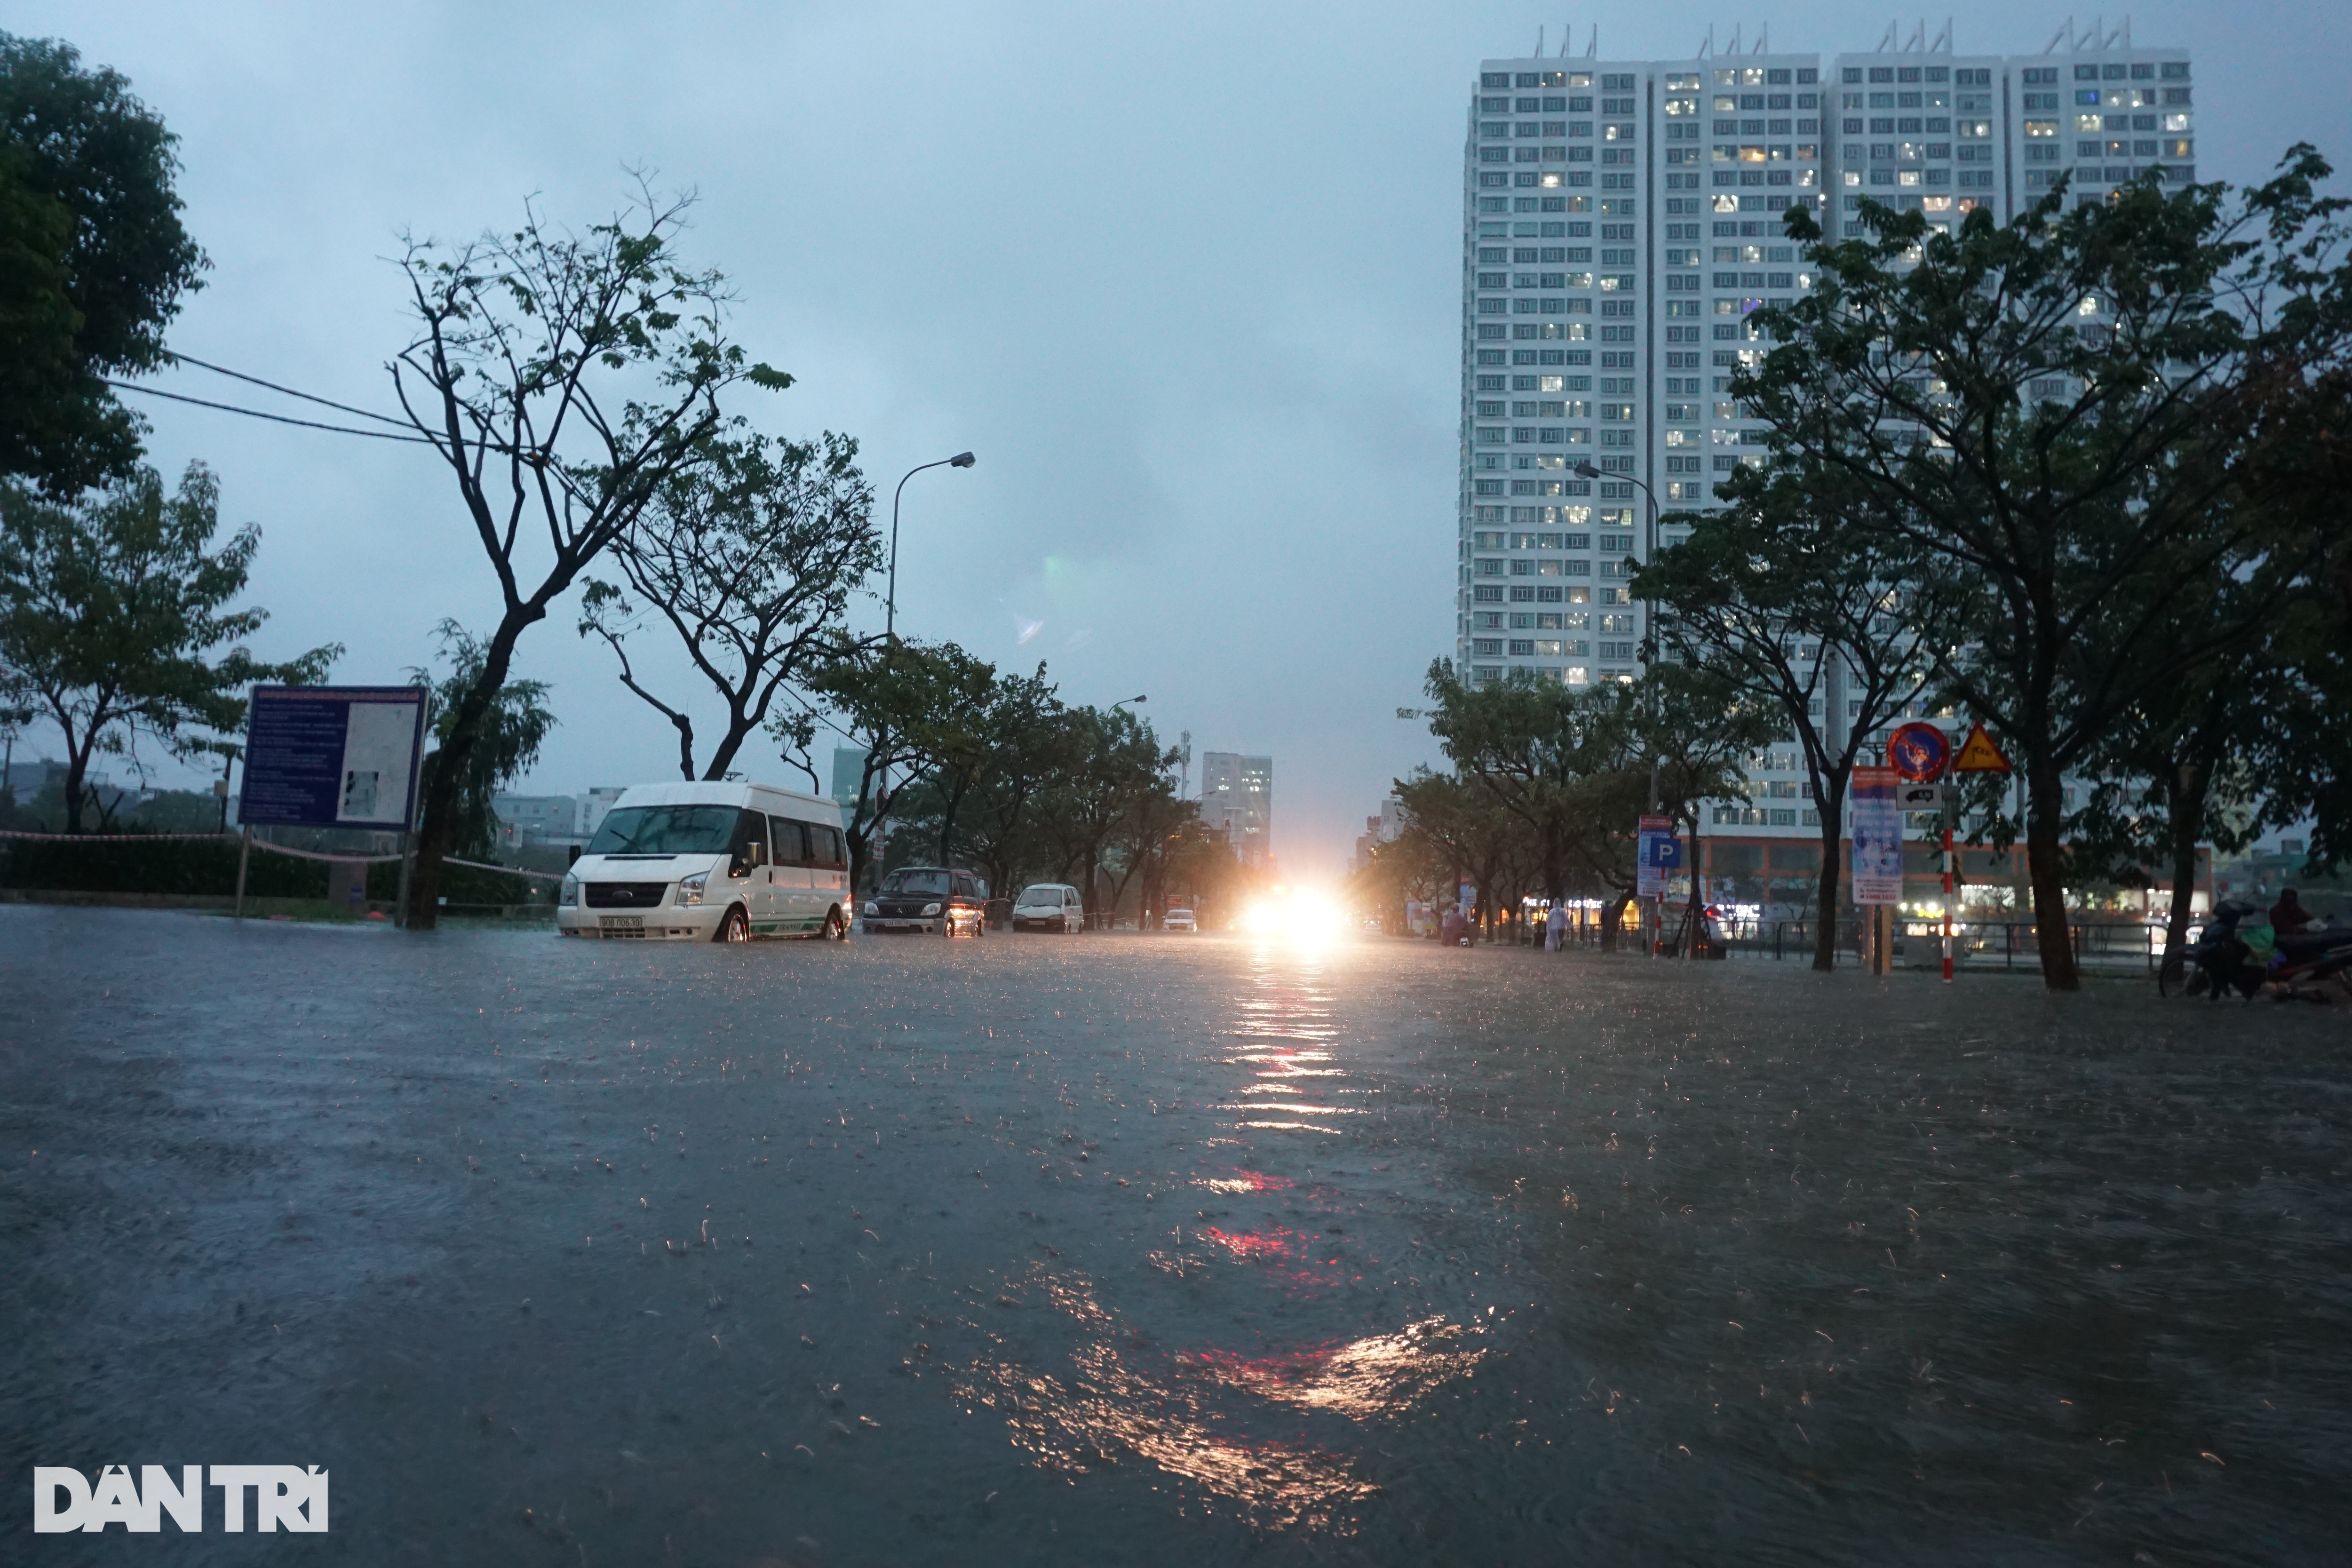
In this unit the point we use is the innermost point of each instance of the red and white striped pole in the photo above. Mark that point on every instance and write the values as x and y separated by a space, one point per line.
1947 895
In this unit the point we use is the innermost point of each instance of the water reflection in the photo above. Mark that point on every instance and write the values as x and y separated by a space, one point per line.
1291 1007
1362 1378
1191 1416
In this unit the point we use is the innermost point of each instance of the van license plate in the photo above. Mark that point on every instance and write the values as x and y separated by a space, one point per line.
621 925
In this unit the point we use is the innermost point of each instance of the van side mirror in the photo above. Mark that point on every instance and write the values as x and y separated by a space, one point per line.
571 855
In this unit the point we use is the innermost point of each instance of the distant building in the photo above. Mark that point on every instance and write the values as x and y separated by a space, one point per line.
1237 797
537 818
1385 828
594 805
848 775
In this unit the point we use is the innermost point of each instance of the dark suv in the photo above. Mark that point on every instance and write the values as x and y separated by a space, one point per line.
930 899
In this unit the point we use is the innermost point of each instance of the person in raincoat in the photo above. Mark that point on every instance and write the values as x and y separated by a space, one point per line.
1555 926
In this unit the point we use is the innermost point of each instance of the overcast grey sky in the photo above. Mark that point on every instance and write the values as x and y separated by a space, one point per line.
1186 278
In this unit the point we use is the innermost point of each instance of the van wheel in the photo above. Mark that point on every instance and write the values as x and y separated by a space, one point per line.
837 926
736 927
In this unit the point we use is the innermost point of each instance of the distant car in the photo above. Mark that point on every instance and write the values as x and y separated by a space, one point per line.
1049 906
1178 919
930 899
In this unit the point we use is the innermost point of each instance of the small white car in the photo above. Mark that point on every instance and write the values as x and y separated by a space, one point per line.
711 862
1049 906
1178 920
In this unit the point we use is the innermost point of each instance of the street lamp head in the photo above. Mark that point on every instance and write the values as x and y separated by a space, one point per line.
962 460
1587 471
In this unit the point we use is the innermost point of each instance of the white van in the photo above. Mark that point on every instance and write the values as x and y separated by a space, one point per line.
723 862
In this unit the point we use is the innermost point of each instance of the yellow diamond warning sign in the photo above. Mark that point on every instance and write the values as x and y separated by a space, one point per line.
1978 754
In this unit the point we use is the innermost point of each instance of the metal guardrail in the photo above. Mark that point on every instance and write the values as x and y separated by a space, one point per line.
2101 945
1976 945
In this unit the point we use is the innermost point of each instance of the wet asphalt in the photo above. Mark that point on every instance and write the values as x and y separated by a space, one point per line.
1163 1250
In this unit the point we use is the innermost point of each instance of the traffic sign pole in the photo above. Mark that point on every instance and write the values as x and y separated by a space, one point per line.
1947 889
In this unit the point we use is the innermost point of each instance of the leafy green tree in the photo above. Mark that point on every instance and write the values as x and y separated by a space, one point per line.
1026 743
507 741
752 556
1115 760
1803 599
94 262
1462 825
1199 865
2050 414
115 619
1563 760
902 704
1145 841
1700 727
566 380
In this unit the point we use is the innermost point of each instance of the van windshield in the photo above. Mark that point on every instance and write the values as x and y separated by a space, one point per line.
912 881
1041 893
665 830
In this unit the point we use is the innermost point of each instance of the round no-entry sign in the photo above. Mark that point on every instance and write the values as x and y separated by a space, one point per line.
1920 752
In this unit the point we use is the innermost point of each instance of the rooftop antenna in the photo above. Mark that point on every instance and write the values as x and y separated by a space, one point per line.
2127 32
1733 47
1567 32
1593 47
1540 38
1706 45
2065 33
1763 40
1919 38
1943 44
1887 43
2098 33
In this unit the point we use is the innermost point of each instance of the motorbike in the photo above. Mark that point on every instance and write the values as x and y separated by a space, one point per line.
2301 965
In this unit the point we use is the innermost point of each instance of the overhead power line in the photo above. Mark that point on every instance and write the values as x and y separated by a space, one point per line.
279 418
305 396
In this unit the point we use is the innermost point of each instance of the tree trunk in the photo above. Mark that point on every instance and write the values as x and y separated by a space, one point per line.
438 825
1610 912
2045 805
1825 903
77 771
2188 783
1695 921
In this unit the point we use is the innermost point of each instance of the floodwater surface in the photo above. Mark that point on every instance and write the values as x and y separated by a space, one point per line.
1163 1250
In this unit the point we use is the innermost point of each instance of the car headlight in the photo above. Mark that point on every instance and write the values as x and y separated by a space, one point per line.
567 895
872 908
689 890
930 909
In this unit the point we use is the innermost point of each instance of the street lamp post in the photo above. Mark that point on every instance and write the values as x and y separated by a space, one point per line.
890 607
1585 471
1125 701
890 612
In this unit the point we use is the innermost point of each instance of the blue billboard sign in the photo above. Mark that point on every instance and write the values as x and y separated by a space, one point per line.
332 756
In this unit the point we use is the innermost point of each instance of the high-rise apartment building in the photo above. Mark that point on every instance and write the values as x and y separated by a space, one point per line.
1622 219
1237 795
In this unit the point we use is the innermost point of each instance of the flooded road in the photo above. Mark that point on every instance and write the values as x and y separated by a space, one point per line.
1163 1250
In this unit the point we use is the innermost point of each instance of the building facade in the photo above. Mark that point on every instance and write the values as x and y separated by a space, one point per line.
1237 795
1623 219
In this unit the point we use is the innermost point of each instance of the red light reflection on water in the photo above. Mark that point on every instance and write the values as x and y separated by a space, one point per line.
1276 1245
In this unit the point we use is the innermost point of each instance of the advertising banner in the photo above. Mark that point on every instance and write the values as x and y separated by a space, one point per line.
1877 836
332 756
1660 852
